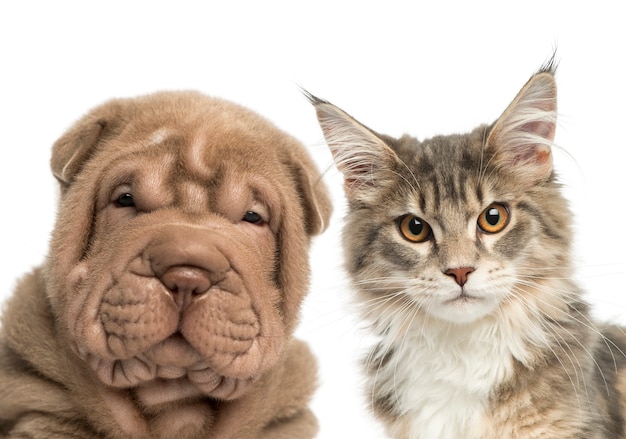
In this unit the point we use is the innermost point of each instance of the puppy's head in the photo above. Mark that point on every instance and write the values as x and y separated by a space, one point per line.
180 250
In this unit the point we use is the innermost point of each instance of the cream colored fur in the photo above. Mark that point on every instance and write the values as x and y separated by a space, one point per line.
177 266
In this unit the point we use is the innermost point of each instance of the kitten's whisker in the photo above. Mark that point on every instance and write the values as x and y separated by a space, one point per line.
402 310
573 296
481 166
539 321
485 166
408 323
576 366
405 179
384 302
588 324
410 172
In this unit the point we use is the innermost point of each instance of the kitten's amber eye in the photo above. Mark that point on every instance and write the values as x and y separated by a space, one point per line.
414 229
494 218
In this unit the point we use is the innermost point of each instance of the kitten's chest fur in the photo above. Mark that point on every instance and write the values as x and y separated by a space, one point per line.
438 381
499 377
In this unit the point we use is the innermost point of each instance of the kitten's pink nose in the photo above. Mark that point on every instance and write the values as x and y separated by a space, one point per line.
460 274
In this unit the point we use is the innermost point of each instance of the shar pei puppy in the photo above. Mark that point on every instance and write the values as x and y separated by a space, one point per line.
176 270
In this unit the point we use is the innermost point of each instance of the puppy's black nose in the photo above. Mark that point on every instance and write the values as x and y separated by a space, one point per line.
186 283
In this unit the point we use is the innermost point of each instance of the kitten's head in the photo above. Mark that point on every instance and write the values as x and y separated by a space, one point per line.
457 227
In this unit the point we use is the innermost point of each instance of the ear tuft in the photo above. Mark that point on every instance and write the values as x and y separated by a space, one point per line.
362 156
522 137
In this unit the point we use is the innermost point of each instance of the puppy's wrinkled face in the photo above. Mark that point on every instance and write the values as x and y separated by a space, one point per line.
177 282
177 291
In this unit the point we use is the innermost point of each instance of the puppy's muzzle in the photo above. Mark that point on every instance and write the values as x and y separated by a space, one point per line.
182 301
188 270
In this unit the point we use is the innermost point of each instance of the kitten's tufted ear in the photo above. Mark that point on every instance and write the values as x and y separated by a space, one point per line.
522 137
360 154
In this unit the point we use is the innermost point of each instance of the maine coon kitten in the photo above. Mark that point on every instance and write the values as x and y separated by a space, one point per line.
459 250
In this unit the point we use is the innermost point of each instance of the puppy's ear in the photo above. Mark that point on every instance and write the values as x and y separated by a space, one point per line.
77 145
309 218
314 195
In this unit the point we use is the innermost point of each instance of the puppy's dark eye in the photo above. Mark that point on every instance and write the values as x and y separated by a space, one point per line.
252 217
125 200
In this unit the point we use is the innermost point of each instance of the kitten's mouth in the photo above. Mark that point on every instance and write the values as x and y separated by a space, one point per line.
461 307
463 297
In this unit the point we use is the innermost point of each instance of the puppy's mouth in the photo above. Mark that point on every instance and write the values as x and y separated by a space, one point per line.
212 346
199 317
170 371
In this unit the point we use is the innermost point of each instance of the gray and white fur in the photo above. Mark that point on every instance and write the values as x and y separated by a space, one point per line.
459 250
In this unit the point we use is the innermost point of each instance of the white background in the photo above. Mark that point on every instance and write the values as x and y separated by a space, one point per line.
396 66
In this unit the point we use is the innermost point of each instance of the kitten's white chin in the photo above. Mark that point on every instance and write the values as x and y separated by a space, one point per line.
463 309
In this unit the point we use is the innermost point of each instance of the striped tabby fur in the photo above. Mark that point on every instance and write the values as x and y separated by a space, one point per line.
459 249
